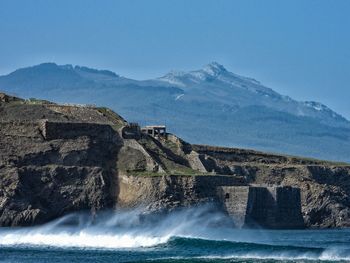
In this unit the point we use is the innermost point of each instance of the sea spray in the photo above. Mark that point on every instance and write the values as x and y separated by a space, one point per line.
122 229
189 234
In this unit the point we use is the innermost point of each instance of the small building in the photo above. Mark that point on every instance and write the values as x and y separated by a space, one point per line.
155 130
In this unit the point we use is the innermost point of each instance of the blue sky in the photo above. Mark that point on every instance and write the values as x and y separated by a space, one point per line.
299 48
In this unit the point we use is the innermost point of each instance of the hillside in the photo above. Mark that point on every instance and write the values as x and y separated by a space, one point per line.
58 159
231 110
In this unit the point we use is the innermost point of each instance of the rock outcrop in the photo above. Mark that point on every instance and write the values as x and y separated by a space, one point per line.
56 159
171 191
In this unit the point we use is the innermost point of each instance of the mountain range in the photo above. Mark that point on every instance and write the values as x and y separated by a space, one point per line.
208 106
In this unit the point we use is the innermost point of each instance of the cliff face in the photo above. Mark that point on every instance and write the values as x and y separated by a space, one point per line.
43 179
45 173
325 186
57 159
171 191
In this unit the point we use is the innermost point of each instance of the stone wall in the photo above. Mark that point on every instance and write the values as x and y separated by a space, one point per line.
288 206
20 129
71 130
269 207
131 131
235 202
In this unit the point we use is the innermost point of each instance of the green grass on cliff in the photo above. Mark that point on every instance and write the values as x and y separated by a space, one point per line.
171 145
144 173
183 170
35 101
175 173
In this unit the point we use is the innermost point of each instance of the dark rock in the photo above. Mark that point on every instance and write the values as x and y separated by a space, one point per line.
76 158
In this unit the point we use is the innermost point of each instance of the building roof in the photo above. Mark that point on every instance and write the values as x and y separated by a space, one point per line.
154 127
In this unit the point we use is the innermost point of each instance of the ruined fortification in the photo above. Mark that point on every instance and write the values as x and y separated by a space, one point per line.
258 206
58 159
68 130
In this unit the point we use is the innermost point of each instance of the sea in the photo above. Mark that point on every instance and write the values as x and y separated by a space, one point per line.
197 234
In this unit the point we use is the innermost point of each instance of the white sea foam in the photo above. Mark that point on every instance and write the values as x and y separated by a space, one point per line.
134 230
81 239
128 229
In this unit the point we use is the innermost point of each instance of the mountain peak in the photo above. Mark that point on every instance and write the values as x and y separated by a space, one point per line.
96 71
214 69
53 66
209 72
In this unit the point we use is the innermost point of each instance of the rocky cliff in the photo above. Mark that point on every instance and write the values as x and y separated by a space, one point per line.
56 159
325 186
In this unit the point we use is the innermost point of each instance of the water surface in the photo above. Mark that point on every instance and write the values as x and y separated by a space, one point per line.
191 235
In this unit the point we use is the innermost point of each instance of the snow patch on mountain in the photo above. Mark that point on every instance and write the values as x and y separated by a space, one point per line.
214 69
316 105
181 78
215 80
179 96
215 72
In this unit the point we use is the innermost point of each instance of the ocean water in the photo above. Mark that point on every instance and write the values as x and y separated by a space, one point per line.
198 234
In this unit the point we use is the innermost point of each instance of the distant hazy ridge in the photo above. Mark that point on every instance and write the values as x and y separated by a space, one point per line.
206 106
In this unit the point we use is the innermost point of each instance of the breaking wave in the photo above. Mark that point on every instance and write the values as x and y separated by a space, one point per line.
189 234
112 230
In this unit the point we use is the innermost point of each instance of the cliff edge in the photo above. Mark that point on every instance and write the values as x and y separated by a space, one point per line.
56 159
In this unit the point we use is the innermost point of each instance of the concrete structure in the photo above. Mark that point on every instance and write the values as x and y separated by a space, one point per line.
155 130
258 206
131 131
69 130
